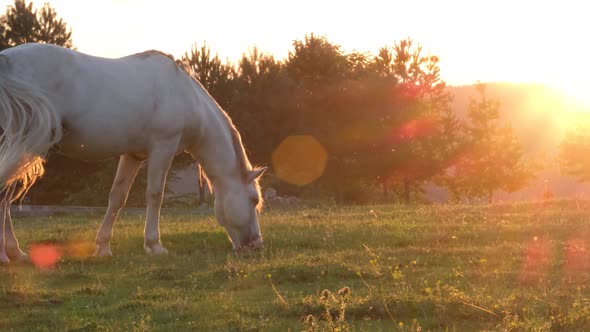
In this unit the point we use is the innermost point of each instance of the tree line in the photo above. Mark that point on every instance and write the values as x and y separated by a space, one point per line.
384 120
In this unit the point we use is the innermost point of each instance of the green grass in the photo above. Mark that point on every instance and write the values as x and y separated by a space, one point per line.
438 268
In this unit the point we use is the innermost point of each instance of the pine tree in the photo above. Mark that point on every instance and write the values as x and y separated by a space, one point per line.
214 75
23 24
425 132
493 157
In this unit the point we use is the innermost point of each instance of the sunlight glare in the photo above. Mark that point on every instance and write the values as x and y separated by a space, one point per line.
578 95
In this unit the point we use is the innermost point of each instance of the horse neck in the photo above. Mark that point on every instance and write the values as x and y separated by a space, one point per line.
217 154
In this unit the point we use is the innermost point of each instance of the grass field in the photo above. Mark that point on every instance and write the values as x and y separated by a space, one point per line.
378 268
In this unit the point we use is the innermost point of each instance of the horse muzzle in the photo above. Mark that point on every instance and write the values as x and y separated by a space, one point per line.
255 244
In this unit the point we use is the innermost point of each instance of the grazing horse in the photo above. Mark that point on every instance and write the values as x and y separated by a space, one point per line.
142 107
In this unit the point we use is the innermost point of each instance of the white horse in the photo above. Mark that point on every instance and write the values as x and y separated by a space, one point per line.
140 107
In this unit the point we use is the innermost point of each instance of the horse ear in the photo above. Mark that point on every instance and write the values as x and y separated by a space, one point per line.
255 173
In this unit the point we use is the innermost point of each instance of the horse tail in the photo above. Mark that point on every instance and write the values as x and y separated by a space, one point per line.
29 126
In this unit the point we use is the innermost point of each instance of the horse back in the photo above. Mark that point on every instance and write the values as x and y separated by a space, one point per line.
111 105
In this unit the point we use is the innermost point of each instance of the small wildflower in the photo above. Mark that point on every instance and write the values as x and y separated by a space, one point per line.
401 324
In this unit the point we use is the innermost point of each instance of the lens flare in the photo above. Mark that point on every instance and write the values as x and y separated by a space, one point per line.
536 261
79 249
299 160
577 258
413 129
44 256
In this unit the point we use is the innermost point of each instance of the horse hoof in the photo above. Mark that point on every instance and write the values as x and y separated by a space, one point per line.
155 249
17 256
4 259
103 251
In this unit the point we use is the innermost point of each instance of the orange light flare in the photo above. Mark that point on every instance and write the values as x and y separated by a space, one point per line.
539 256
299 160
413 129
536 261
45 255
577 258
79 250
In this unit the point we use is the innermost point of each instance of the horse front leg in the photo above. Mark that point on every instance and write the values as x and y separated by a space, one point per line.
126 172
158 165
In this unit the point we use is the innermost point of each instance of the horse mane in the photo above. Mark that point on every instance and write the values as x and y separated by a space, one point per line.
149 53
183 65
238 146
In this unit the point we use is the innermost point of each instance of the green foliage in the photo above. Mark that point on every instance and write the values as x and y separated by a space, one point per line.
263 106
315 60
23 24
435 268
492 158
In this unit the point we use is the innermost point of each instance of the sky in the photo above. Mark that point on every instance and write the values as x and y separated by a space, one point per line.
501 40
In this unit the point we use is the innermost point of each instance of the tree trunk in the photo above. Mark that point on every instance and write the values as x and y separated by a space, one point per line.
385 189
407 191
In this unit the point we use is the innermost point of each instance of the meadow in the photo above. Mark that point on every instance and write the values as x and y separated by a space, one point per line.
521 267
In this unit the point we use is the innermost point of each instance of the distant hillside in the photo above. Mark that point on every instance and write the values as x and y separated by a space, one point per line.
539 116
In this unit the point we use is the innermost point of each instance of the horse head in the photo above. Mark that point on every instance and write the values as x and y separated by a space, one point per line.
237 204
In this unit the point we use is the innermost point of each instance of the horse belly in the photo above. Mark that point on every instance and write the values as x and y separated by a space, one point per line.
99 145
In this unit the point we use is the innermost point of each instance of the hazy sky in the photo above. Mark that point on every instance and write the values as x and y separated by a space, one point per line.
500 40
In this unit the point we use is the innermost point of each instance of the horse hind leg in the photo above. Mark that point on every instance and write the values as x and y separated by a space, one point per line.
8 239
126 173
11 243
3 204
